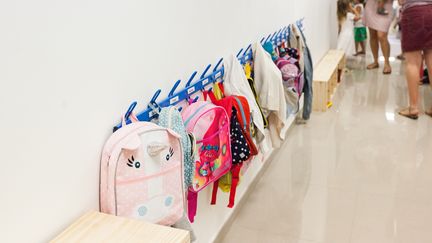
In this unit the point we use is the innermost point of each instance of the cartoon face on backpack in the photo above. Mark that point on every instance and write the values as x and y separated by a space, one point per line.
147 178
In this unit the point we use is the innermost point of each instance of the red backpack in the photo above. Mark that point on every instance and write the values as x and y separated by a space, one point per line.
242 145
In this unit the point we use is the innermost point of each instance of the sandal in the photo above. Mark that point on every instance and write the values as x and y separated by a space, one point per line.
429 112
387 70
407 113
372 66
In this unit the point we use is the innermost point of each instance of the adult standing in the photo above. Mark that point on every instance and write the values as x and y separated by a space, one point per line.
416 41
379 25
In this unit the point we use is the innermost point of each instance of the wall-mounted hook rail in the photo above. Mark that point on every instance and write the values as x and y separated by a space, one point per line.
191 87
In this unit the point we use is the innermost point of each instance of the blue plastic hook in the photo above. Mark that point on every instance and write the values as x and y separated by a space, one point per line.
268 37
217 65
247 49
279 35
155 96
191 79
273 36
262 41
205 71
130 110
238 53
171 93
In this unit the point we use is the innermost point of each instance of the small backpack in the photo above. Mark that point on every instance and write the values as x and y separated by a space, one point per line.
170 117
242 145
141 173
291 74
288 68
210 125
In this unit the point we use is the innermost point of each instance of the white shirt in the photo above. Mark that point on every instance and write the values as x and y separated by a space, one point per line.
236 83
359 23
269 86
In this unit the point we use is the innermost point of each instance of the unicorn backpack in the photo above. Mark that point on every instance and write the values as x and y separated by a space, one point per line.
141 173
210 125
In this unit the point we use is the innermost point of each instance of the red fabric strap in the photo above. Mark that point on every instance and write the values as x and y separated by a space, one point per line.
212 96
192 198
214 193
235 178
222 88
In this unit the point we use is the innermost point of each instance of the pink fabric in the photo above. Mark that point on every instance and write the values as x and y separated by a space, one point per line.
192 198
210 125
375 21
142 178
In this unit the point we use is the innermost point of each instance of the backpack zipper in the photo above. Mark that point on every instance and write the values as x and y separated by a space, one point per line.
242 112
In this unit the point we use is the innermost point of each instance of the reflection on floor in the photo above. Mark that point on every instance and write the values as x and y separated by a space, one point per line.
358 173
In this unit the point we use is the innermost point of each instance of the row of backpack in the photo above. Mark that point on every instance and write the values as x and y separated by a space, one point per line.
147 169
154 171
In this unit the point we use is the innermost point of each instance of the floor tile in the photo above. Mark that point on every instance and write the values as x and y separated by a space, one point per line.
358 173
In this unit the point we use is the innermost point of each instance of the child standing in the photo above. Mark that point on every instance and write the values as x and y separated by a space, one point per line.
346 17
360 32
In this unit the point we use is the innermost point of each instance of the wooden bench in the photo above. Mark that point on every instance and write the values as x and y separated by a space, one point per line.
97 227
327 75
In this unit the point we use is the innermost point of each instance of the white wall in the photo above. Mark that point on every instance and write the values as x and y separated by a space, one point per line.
68 69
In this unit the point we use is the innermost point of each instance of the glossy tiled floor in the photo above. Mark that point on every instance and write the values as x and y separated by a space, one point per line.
356 174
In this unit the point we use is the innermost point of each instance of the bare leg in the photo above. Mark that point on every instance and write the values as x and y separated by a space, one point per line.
428 59
362 45
412 67
356 48
385 47
374 47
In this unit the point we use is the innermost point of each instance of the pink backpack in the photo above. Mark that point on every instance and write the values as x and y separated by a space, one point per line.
141 174
291 74
211 126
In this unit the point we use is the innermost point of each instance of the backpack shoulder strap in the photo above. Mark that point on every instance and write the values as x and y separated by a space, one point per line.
235 171
192 198
212 96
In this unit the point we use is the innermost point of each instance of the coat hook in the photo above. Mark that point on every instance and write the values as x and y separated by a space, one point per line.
262 41
217 65
205 71
273 36
191 79
238 54
130 110
247 49
155 96
268 37
171 93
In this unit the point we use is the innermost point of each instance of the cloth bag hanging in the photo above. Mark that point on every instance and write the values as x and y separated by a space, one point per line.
269 85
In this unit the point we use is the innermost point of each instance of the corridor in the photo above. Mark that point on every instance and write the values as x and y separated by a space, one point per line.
359 173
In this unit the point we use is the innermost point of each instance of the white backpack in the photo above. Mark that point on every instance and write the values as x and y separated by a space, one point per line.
141 174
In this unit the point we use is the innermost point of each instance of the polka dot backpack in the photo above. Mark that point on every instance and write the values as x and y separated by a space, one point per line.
141 174
242 145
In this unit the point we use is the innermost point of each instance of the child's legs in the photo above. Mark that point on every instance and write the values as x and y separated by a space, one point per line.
362 44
